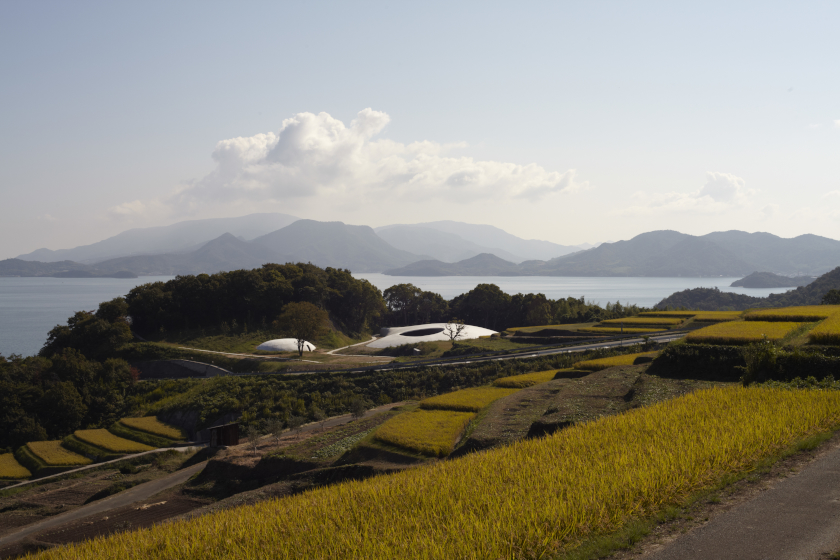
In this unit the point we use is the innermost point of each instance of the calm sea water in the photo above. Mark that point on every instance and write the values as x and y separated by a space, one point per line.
645 292
30 307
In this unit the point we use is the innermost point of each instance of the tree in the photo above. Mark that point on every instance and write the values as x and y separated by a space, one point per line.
253 435
302 321
275 429
319 416
454 329
403 299
831 297
357 408
295 422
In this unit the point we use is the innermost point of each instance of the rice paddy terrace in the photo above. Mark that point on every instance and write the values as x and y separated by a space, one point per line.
567 455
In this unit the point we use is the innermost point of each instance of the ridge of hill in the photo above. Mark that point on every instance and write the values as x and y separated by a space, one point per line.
60 269
770 280
180 237
490 239
485 264
440 245
712 299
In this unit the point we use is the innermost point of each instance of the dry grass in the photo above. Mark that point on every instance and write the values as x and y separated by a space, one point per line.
152 425
613 361
106 440
827 332
10 469
643 322
741 332
52 454
526 379
617 330
532 499
800 314
430 432
466 400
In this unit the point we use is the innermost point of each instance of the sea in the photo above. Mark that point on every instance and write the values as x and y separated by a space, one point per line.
30 307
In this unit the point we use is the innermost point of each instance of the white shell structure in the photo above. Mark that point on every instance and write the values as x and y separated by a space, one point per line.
431 332
285 345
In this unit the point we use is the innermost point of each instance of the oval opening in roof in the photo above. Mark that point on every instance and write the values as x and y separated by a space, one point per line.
422 332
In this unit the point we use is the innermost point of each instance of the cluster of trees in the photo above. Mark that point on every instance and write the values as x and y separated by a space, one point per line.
254 298
49 398
488 306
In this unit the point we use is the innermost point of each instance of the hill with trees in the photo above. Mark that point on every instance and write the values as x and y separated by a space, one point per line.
770 280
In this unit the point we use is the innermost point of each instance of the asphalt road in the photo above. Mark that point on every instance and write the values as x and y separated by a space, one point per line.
127 497
798 519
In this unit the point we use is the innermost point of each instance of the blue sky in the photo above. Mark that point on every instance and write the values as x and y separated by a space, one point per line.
571 122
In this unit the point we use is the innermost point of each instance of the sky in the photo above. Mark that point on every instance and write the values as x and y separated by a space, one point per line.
567 121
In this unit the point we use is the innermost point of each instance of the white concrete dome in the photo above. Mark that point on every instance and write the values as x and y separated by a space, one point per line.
431 332
285 345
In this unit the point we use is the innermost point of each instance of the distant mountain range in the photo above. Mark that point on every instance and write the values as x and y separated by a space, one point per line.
428 249
664 254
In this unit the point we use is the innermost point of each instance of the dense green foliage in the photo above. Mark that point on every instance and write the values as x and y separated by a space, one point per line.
43 398
253 297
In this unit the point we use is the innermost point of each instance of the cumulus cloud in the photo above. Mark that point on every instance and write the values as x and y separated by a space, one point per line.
319 156
831 194
720 192
837 123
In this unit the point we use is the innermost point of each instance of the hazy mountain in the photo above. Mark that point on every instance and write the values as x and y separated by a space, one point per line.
336 244
440 245
497 239
731 253
485 264
711 299
176 238
61 269
770 280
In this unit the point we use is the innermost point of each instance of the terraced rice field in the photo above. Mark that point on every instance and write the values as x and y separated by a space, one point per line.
533 499
613 361
618 330
10 469
741 332
106 440
466 400
643 322
52 454
152 425
430 432
700 316
526 379
800 314
827 332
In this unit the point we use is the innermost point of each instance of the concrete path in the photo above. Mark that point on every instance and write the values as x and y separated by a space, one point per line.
127 497
798 519
332 352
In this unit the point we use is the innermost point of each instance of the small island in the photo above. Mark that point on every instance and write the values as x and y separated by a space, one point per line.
770 280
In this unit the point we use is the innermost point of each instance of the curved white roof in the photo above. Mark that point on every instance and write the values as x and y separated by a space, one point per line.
285 345
431 332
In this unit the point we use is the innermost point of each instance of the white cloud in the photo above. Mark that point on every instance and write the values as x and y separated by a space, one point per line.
831 194
837 123
318 156
770 210
721 192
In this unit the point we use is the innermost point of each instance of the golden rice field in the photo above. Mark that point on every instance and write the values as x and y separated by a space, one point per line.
466 400
613 361
644 322
741 332
10 469
533 499
526 379
53 455
106 440
802 314
430 432
827 332
618 330
717 316
682 314
152 425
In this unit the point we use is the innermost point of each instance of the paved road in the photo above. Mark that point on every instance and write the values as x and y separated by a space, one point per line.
798 519
127 497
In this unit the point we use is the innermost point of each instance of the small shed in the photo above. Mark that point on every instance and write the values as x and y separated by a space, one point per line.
226 434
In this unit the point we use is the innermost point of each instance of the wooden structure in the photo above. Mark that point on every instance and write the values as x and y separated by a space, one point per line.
227 434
